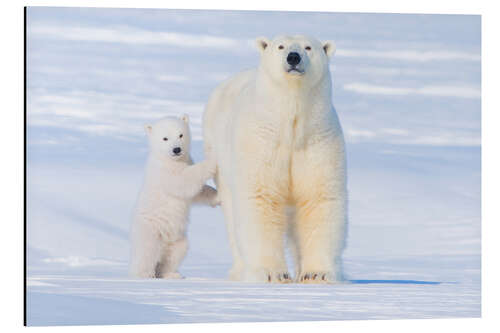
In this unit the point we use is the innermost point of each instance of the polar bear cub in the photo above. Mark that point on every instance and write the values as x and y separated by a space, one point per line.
171 184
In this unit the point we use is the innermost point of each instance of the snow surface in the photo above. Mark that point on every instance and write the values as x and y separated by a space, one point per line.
407 90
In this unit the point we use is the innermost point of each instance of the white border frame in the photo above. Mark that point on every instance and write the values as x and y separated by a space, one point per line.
11 141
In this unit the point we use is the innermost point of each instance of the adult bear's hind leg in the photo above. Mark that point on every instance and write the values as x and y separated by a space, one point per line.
224 193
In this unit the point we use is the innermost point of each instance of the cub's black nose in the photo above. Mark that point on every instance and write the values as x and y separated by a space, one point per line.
177 150
293 58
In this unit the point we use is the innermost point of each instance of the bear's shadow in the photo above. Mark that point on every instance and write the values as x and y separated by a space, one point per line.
394 282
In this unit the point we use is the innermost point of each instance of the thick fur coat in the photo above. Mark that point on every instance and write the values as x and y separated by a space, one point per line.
171 184
281 171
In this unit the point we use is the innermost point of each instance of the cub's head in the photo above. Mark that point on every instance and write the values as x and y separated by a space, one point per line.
298 58
170 137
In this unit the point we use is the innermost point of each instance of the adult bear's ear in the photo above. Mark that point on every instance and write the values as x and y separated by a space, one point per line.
262 43
185 118
148 129
329 48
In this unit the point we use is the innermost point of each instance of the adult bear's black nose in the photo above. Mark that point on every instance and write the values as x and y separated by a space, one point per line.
177 150
293 58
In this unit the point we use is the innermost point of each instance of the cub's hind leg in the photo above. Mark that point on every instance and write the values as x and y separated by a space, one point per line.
146 253
174 253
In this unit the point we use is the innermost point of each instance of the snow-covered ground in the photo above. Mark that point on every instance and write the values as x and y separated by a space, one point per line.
407 90
413 248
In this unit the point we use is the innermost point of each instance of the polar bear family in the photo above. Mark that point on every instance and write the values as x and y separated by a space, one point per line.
281 172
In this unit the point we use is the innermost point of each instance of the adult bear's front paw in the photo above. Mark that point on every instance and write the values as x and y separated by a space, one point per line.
318 277
279 277
263 275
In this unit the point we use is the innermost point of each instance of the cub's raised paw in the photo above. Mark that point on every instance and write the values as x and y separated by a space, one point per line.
210 165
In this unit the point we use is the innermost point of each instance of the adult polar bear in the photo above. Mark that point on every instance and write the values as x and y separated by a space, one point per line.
278 143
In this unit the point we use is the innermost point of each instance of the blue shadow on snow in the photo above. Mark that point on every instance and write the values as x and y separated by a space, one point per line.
393 282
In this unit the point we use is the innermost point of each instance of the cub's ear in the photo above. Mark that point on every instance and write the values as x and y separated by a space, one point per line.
185 118
329 48
148 129
262 43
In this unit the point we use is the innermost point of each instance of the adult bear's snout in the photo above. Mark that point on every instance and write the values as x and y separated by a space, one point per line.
293 58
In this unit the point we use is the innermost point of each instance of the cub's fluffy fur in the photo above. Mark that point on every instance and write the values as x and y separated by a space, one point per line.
171 184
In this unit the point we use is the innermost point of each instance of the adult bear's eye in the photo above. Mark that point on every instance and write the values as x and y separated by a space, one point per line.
308 48
165 139
281 47
180 136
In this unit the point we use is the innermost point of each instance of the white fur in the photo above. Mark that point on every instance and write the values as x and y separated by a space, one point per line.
172 183
281 164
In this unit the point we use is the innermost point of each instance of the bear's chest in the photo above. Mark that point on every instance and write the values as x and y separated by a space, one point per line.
281 127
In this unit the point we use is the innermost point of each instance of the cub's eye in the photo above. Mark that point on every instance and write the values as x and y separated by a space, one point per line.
308 48
180 136
165 139
281 47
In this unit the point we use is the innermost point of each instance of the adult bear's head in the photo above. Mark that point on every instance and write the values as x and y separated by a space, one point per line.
295 58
